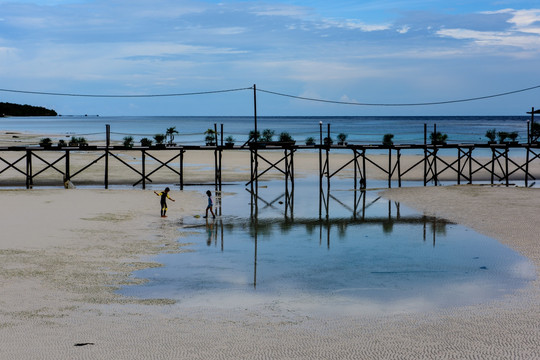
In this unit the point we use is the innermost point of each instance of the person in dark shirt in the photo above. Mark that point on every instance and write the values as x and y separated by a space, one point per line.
164 196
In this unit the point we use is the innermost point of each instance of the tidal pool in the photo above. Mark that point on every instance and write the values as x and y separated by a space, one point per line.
368 255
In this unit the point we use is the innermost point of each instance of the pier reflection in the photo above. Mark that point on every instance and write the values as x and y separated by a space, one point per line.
365 216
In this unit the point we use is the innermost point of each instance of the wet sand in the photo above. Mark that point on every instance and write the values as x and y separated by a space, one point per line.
64 252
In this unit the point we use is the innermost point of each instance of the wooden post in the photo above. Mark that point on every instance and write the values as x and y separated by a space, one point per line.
399 166
108 142
532 123
389 167
143 160
182 169
469 158
255 158
328 166
459 166
425 154
492 163
29 181
216 170
68 173
320 168
527 165
506 165
355 171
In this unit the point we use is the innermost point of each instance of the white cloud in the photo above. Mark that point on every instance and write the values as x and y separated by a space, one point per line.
404 29
492 38
354 25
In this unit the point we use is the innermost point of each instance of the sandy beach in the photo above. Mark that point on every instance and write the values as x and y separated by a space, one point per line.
64 252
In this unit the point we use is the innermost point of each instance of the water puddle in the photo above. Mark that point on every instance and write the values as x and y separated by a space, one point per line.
368 255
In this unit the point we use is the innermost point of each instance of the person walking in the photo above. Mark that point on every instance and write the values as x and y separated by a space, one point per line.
210 205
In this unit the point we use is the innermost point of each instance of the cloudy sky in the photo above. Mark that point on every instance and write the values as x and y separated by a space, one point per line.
380 51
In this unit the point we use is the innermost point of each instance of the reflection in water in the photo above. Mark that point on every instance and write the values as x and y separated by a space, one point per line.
276 227
371 255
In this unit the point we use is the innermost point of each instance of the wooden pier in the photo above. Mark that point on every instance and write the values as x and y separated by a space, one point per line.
501 165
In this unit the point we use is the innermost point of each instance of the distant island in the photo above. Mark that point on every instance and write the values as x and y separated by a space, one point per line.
9 109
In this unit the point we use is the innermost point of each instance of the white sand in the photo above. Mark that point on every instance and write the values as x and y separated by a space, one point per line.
63 252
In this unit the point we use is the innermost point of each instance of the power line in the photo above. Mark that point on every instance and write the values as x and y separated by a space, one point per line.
400 104
124 96
274 93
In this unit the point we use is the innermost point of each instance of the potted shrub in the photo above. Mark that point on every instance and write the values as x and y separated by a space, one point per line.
513 137
438 138
229 141
127 141
310 141
328 141
210 138
387 139
285 137
491 135
45 143
502 136
170 135
159 138
341 139
267 135
253 136
146 142
61 143
78 141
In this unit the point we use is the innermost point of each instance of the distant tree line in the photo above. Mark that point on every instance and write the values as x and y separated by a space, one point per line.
9 109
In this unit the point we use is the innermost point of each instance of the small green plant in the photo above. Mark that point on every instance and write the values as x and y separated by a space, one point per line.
229 141
438 138
146 142
159 138
502 135
170 132
491 134
387 139
61 143
310 141
45 142
513 136
285 137
210 137
127 141
341 138
254 136
328 141
78 141
267 135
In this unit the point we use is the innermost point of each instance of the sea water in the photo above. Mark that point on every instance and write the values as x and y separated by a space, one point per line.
359 129
364 255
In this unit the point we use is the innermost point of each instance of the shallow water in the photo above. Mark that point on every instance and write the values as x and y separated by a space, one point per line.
377 256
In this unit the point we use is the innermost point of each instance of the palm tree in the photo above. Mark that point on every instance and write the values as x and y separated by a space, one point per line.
170 134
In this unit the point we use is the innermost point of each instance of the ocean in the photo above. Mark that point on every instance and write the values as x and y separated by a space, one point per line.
359 129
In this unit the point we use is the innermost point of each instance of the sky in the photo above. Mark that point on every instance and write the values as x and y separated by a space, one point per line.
377 52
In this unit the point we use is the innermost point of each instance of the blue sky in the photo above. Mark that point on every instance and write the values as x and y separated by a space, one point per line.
351 51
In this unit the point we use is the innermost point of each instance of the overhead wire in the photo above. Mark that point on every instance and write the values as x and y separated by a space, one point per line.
125 96
399 104
274 93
